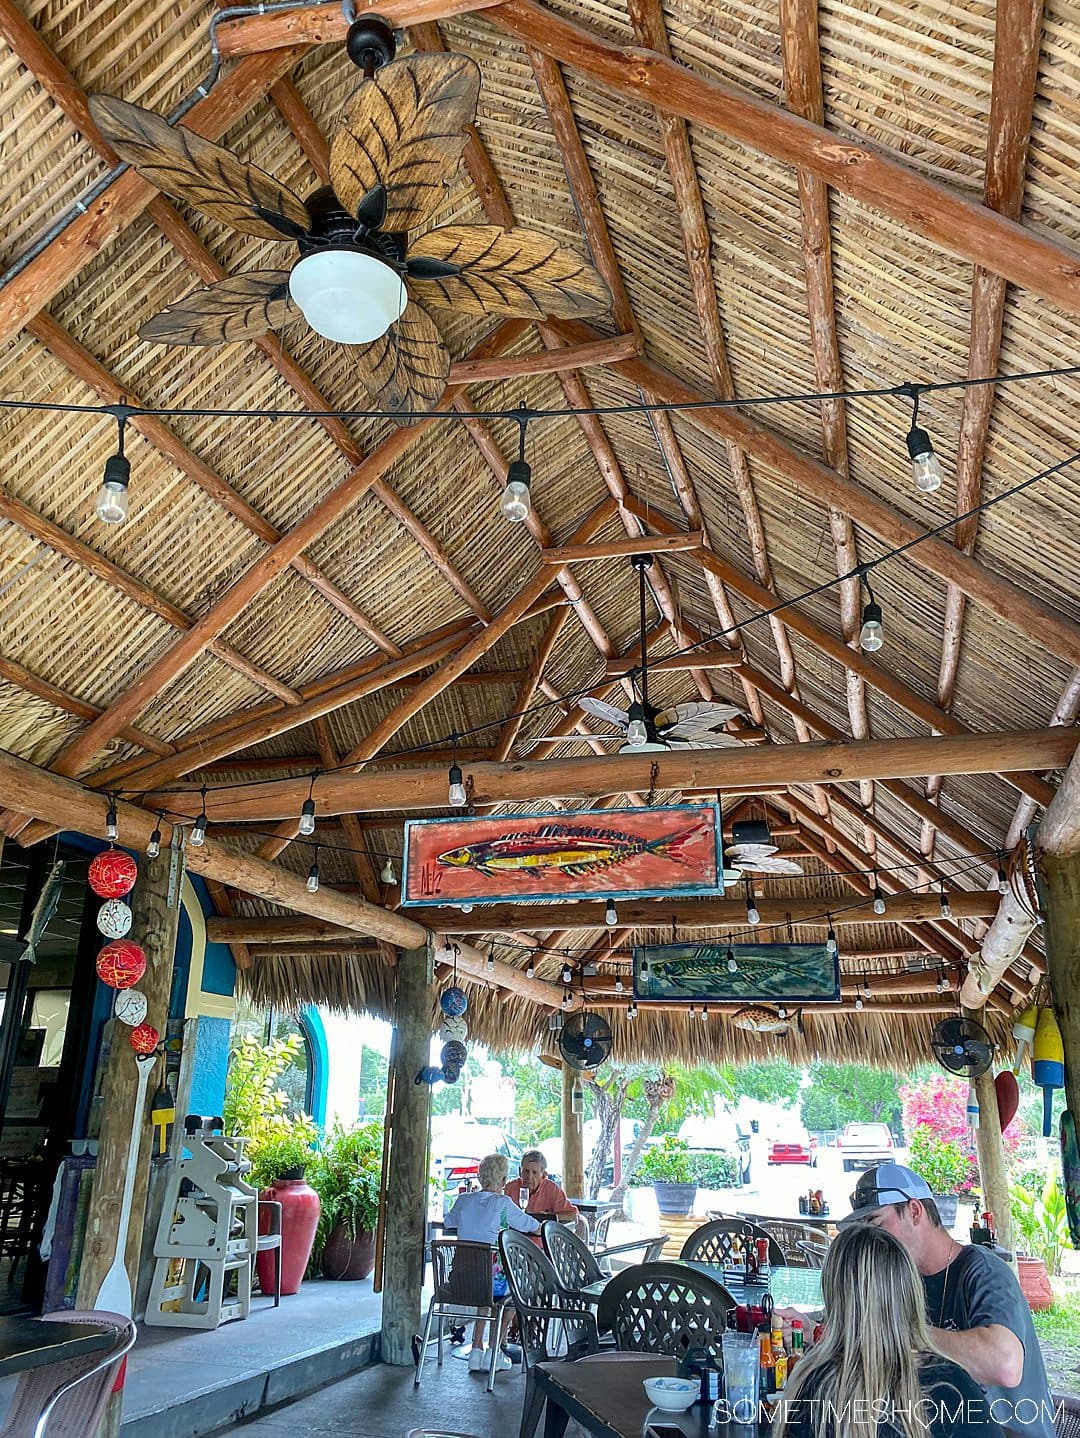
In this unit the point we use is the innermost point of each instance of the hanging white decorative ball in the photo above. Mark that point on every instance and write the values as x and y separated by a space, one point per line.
130 1006
114 919
453 1026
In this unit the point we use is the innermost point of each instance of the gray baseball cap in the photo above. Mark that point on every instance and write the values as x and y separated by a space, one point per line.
879 1187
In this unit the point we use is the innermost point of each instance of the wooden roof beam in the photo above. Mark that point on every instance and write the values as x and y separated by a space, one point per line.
542 362
622 548
326 25
927 207
1018 26
600 776
16 674
803 95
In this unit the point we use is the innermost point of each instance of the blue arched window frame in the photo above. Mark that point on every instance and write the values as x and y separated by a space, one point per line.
314 1033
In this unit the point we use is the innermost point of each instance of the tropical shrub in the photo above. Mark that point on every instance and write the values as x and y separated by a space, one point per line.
669 1161
1040 1223
714 1170
347 1175
942 1162
286 1155
258 1108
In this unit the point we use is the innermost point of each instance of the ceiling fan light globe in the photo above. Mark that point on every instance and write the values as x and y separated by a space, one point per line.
650 746
348 296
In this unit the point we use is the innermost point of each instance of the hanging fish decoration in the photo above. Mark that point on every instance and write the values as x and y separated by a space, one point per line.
44 909
757 1020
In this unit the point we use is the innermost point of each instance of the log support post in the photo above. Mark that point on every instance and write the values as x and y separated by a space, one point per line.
991 1153
573 1174
407 1171
155 905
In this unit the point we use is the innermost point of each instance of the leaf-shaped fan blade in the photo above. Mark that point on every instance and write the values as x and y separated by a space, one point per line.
699 719
200 173
776 865
405 129
242 307
406 369
508 272
602 710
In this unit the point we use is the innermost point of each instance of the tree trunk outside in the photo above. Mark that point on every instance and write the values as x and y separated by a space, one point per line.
609 1105
657 1091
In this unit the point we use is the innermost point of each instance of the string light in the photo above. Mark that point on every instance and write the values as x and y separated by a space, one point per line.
879 897
112 824
153 849
197 837
619 985
1002 877
637 731
943 899
313 874
693 1011
111 504
704 1013
631 1012
830 939
566 1000
752 915
925 465
859 1004
490 965
530 970
866 988
389 873
466 908
872 634
567 974
611 914
732 966
307 810
516 502
781 1012
457 796
941 984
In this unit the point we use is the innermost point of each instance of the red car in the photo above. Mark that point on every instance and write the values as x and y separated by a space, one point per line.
793 1150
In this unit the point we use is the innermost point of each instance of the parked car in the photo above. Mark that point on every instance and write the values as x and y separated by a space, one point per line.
457 1146
793 1148
722 1134
862 1145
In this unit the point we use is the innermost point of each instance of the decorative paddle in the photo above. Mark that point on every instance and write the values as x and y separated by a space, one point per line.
114 1295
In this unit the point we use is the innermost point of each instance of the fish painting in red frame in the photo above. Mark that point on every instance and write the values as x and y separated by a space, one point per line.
666 850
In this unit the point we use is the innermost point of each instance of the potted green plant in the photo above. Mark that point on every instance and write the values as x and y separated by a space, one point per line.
347 1175
1040 1233
946 1168
668 1167
278 1171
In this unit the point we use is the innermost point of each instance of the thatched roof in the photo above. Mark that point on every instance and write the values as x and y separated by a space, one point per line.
88 609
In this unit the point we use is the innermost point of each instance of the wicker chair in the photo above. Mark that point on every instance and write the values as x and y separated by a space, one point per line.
547 1312
713 1242
1066 1416
664 1308
68 1397
790 1236
462 1277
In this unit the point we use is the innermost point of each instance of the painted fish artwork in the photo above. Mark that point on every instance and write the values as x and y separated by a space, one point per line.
762 973
590 854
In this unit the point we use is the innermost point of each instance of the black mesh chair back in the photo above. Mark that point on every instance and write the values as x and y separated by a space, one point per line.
814 1251
664 1308
547 1314
715 1242
570 1257
1066 1416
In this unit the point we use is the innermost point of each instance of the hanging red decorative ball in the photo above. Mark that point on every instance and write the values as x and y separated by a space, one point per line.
144 1038
113 874
121 964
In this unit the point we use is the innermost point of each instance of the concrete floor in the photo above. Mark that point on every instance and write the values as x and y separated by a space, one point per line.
381 1402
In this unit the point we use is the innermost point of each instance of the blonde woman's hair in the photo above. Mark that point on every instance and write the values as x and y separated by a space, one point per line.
492 1172
874 1341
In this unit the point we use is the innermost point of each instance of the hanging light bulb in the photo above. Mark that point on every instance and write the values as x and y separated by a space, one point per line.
872 635
153 849
631 1012
941 985
619 985
389 873
879 897
781 1012
830 940
732 966
489 967
752 915
516 502
307 810
637 731
465 908
112 826
859 1004
567 974
111 504
867 994
611 915
313 875
198 829
457 796
1002 877
693 1011
566 1000
943 899
530 970
704 1013
925 465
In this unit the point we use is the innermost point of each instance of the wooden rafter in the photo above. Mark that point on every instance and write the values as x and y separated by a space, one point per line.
16 674
325 24
1018 28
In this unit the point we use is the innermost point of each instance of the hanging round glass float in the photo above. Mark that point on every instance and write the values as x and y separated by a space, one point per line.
112 874
121 964
130 1007
429 1074
144 1038
453 1001
453 1055
114 919
453 1027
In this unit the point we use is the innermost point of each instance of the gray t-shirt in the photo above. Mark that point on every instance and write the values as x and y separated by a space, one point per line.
978 1289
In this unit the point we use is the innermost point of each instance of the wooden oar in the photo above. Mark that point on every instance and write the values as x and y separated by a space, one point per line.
114 1295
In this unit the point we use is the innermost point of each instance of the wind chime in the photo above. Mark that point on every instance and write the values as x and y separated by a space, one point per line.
453 1030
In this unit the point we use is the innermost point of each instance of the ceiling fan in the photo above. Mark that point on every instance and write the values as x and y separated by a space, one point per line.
367 268
753 851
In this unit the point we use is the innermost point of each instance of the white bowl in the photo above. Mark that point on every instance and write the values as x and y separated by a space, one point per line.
674 1395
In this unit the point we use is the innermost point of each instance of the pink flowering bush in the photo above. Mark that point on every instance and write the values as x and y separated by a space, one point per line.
935 1124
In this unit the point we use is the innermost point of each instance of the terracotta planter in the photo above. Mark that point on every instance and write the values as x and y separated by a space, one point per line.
1034 1282
346 1258
675 1198
300 1210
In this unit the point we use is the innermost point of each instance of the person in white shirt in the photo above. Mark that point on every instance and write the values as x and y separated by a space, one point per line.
480 1218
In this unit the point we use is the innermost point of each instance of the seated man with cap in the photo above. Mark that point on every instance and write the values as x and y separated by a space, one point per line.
977 1313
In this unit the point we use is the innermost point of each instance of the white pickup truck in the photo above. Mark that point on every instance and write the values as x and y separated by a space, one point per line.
862 1145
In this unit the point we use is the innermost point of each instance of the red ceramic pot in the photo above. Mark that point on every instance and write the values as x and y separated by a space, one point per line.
1034 1283
300 1210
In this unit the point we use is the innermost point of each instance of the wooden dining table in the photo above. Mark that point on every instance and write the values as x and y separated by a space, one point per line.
32 1342
605 1393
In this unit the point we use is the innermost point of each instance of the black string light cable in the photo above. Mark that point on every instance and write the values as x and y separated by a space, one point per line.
860 572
